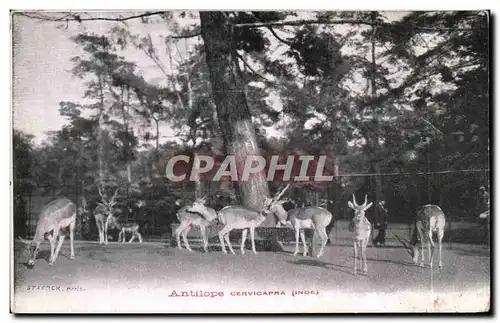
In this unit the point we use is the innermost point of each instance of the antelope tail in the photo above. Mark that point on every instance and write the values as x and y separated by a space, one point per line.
405 245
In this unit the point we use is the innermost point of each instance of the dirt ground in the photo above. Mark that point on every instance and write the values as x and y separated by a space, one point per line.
143 278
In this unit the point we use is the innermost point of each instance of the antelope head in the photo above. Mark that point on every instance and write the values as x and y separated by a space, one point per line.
359 210
199 206
410 246
274 205
140 203
113 221
32 247
107 205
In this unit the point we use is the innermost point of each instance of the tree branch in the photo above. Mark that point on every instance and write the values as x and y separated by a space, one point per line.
68 16
252 70
278 37
303 22
195 34
76 17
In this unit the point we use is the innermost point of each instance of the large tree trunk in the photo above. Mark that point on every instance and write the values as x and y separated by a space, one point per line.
232 109
375 141
100 135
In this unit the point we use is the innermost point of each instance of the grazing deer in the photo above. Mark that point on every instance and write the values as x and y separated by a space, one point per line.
233 217
430 219
362 231
103 214
54 218
188 219
312 217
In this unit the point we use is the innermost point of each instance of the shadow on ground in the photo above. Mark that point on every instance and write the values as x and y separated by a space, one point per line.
322 264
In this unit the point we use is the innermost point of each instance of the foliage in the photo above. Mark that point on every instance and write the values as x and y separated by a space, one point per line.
423 93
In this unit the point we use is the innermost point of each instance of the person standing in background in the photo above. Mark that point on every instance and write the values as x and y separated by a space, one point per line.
381 224
484 205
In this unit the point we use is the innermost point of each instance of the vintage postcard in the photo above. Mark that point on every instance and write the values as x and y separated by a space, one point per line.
250 162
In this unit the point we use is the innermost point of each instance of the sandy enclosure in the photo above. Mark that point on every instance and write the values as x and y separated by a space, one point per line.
143 278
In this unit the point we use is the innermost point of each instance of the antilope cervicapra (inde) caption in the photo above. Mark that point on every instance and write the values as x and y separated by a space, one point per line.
312 217
430 219
103 214
362 231
233 217
189 219
54 218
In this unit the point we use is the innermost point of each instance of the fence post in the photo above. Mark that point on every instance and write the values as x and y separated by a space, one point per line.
336 232
450 233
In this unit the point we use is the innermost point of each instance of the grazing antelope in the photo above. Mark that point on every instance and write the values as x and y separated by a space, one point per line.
233 217
362 231
312 217
54 218
188 219
430 219
103 214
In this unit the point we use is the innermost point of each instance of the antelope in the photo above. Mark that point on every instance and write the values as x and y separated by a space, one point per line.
54 217
188 218
312 217
130 227
484 215
362 231
233 217
103 214
430 219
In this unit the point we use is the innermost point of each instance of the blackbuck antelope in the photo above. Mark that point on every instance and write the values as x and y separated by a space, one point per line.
312 217
233 217
430 219
54 218
103 214
188 219
362 231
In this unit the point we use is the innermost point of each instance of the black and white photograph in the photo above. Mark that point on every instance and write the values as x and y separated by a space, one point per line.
231 161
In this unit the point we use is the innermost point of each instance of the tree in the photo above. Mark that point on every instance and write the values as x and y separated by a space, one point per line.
392 117
23 185
232 107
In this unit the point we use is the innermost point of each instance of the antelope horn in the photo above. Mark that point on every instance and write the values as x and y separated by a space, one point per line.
284 200
366 200
24 241
100 193
280 194
114 196
354 199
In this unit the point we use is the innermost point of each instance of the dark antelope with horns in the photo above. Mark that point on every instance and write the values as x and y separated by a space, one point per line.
104 214
312 217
